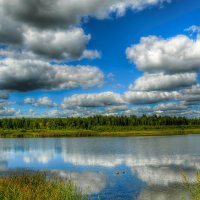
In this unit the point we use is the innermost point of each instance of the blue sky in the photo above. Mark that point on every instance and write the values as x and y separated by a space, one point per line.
89 41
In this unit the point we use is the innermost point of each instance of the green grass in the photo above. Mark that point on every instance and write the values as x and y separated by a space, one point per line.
101 131
192 187
37 187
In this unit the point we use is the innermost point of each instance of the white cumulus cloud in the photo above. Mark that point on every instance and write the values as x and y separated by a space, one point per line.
150 97
156 54
93 100
150 82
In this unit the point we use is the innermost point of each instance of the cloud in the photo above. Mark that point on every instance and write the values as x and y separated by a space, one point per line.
5 109
68 44
176 108
173 106
61 13
74 111
172 55
116 108
170 69
46 102
194 90
29 100
59 45
151 82
8 112
91 54
62 113
27 75
175 103
51 28
190 96
10 31
4 95
193 29
93 100
41 102
120 7
143 97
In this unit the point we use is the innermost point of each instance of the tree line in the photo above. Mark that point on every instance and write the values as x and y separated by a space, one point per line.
95 121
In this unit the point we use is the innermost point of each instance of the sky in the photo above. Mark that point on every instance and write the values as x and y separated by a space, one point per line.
70 58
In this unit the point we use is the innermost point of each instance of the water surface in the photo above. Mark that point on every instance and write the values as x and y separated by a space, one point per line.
136 168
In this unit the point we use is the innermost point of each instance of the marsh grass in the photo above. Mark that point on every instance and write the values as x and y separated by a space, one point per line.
98 132
37 187
192 187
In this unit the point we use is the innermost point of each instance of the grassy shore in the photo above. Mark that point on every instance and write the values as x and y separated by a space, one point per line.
100 132
37 187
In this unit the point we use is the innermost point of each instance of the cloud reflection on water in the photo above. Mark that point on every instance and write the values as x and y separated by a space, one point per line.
88 182
155 161
173 192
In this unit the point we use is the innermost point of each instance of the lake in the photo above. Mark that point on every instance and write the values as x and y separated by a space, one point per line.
136 168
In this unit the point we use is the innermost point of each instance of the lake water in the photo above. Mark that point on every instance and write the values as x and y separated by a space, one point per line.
136 168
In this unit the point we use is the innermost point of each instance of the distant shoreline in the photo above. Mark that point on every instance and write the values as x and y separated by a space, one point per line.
42 133
98 126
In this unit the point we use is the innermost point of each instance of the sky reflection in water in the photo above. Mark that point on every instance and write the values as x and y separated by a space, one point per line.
114 168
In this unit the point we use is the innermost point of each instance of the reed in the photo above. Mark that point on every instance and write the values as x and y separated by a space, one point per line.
37 187
193 188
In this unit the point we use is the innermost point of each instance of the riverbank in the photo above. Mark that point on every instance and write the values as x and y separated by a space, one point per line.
115 132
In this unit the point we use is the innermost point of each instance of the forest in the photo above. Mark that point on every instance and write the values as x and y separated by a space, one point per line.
95 122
